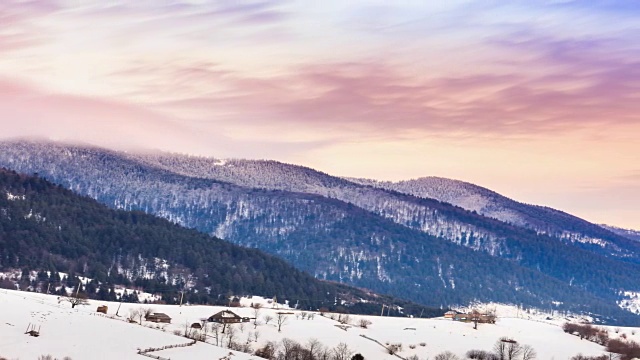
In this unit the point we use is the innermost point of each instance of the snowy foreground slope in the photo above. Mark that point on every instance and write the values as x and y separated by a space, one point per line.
82 333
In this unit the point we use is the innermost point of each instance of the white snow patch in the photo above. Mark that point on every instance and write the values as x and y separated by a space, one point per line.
12 197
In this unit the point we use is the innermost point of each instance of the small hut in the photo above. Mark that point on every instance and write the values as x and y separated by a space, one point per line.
450 314
158 318
103 309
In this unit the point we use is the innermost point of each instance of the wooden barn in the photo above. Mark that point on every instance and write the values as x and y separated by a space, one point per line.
450 314
227 317
158 318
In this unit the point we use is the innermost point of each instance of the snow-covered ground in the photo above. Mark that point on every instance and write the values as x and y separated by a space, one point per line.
82 333
631 301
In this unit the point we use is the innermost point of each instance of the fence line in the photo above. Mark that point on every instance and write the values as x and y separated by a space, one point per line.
381 344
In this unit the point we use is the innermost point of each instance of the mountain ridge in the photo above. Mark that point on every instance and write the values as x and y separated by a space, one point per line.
358 234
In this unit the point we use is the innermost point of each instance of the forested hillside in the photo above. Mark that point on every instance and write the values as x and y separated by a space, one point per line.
420 249
44 227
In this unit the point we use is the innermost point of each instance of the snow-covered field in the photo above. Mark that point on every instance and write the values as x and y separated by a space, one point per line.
81 333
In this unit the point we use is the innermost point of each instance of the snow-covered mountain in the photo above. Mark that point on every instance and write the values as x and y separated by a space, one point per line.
543 220
628 233
341 230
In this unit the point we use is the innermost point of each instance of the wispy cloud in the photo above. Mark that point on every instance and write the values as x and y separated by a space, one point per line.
352 86
572 84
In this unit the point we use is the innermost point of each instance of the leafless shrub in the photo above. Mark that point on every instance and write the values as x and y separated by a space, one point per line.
481 355
582 357
268 351
364 323
133 315
447 355
344 319
394 348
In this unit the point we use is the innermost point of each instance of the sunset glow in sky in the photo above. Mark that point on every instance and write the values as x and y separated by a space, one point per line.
538 100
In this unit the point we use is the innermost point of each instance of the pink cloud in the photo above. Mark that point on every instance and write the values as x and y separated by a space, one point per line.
570 87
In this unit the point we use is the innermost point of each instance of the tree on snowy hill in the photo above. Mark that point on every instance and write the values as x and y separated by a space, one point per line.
256 313
75 300
281 319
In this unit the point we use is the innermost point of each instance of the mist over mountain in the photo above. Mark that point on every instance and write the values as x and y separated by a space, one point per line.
363 233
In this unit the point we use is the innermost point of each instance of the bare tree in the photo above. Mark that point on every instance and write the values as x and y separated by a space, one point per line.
267 318
133 315
256 314
314 346
215 333
507 349
256 335
77 299
187 328
281 319
528 353
475 318
513 351
141 316
342 352
290 349
231 334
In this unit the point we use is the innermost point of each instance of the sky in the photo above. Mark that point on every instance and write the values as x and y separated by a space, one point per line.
538 100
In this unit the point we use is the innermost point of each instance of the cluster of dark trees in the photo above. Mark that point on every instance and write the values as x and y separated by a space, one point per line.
48 228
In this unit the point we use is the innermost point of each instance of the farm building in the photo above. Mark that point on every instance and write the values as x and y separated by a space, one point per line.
158 318
450 314
227 317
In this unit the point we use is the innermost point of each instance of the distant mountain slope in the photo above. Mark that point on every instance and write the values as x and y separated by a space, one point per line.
628 233
542 219
339 230
45 227
426 215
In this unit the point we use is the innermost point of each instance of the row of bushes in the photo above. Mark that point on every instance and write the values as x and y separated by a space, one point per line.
626 349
